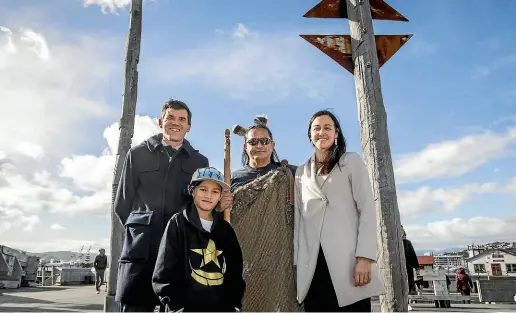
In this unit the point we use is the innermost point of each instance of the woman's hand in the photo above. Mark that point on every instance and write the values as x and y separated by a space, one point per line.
362 274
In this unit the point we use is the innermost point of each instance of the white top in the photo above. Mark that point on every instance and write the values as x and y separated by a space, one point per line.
206 224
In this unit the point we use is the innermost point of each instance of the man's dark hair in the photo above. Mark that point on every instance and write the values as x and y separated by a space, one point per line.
176 105
245 157
336 151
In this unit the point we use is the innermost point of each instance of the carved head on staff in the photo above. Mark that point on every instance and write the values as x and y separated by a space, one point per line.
259 146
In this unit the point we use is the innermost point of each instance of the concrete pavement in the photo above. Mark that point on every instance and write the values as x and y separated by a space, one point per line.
84 299
52 299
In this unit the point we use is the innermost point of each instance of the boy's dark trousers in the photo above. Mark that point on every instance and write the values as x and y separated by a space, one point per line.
141 308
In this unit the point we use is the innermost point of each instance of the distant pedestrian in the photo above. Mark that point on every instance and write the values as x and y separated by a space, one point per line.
411 260
463 283
100 265
411 263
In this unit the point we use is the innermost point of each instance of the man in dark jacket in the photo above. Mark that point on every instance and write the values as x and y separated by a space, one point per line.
100 265
411 260
152 188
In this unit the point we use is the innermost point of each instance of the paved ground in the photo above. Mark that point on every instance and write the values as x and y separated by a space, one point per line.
84 299
52 299
474 307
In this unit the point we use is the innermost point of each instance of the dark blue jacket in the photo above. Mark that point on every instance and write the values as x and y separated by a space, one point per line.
152 189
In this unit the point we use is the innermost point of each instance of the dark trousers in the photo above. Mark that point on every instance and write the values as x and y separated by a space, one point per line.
466 292
321 295
411 282
140 308
99 279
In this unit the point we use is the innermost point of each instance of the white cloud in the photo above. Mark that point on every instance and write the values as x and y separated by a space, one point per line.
95 173
241 31
248 65
52 85
29 149
57 226
30 195
110 6
14 219
461 232
91 177
6 40
452 158
36 43
47 94
425 200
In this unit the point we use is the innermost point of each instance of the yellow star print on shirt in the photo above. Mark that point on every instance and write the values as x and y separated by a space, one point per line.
210 254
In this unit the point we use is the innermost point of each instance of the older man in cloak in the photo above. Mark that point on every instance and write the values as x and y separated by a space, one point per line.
262 216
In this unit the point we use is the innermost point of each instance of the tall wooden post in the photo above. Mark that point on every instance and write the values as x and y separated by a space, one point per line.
377 155
124 144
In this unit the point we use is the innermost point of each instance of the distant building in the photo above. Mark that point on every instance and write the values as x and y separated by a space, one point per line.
426 262
498 262
449 260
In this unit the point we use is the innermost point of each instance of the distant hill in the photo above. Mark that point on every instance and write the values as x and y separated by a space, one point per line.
435 252
510 246
61 255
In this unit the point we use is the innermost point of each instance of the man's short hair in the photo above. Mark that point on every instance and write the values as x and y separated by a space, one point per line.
176 105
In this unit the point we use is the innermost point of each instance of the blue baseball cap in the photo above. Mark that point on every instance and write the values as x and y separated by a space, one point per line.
208 173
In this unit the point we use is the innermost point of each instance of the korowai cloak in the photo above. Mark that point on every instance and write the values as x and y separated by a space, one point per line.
263 219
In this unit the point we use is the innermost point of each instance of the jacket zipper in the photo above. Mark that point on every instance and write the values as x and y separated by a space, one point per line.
164 191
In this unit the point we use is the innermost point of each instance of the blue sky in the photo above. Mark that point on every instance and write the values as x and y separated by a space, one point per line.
449 94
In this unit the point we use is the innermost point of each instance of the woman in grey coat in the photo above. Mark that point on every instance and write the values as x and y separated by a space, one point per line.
335 225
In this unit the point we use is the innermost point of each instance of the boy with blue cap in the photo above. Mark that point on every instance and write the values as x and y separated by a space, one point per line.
199 265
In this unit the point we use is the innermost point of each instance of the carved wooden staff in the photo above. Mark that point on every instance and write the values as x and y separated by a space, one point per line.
227 167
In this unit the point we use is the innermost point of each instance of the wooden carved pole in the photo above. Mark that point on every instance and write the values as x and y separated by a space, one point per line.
124 143
377 155
227 167
362 54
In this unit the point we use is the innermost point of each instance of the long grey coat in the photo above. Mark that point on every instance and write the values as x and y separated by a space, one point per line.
340 216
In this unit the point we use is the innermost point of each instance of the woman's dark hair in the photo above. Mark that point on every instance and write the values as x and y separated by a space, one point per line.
274 155
336 151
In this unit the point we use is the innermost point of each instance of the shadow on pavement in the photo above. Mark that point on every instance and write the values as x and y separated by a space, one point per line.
86 307
32 289
18 309
19 299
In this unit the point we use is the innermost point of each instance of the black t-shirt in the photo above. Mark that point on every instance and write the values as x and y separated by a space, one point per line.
247 173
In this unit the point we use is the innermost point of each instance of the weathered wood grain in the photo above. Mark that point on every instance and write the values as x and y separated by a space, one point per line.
126 125
377 156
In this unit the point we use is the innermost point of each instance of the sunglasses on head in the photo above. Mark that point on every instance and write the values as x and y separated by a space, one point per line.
255 141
